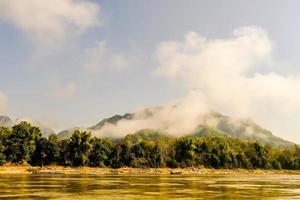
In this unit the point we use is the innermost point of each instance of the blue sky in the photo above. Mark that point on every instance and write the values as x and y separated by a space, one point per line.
93 59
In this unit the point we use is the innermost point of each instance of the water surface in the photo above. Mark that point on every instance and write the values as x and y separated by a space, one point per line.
57 186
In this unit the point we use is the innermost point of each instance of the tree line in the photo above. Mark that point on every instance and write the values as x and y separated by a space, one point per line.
145 149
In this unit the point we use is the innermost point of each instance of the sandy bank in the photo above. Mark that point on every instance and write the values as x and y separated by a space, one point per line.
26 169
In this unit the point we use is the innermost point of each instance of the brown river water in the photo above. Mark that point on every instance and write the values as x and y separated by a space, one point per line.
65 187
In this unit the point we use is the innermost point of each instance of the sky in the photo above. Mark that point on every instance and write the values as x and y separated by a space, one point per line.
74 62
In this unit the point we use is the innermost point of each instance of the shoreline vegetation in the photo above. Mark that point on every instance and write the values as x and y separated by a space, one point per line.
24 149
67 170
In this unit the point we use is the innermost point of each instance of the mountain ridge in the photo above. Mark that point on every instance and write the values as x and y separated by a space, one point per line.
244 129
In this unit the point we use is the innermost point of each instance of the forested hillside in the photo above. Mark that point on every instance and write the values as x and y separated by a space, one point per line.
144 149
211 123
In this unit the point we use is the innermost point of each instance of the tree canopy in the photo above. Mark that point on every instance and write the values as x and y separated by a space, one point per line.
144 149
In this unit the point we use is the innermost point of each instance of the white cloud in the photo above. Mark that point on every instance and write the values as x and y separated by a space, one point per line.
48 21
178 117
228 74
3 102
55 89
101 57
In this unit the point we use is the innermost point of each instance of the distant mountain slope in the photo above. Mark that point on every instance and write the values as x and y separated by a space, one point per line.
244 129
68 132
112 120
7 122
213 124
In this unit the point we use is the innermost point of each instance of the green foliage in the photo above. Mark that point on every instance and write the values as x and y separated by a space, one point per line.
46 152
185 151
63 152
208 132
146 148
21 142
2 155
100 152
78 148
4 133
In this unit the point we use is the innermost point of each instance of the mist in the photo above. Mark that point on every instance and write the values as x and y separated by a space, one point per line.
177 117
234 76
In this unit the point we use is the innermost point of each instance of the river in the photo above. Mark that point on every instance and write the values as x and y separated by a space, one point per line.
59 186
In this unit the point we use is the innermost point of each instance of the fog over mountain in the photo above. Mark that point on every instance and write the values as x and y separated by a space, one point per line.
232 76
181 119
235 76
187 116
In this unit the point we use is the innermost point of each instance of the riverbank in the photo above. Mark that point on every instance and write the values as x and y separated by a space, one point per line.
27 169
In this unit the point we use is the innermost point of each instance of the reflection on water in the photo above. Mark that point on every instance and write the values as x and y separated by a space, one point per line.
149 187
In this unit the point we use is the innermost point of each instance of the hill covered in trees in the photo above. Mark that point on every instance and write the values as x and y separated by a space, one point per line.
144 149
212 123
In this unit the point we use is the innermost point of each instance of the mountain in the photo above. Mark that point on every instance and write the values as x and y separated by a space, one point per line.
5 121
68 132
112 120
212 124
244 129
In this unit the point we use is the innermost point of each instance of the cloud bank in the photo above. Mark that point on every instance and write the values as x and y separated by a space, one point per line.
51 27
233 76
178 117
50 21
230 74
